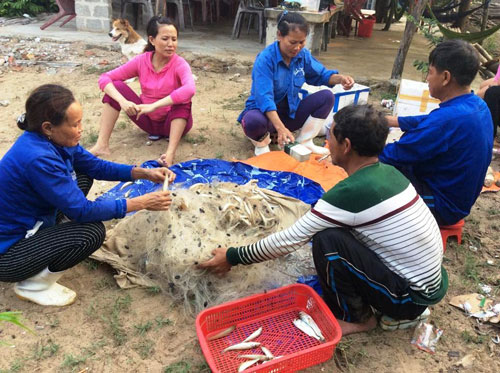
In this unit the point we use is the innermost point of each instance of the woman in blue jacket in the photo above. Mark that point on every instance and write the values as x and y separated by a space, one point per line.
278 73
44 179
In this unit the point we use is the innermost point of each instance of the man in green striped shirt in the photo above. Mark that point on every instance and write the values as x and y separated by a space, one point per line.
375 242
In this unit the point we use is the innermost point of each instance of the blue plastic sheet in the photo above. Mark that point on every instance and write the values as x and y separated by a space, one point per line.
216 170
312 281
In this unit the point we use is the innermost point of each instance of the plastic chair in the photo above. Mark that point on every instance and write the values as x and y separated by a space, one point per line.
454 230
180 11
146 3
66 8
249 7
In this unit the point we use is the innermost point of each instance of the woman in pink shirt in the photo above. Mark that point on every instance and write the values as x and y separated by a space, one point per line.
167 86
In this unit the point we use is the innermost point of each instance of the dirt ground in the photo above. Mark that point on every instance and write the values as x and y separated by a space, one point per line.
112 330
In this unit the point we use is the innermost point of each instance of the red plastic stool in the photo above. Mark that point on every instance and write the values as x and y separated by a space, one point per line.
451 231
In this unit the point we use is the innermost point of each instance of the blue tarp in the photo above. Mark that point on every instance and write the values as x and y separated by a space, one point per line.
216 170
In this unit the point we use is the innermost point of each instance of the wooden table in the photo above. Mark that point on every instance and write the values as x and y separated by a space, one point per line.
316 39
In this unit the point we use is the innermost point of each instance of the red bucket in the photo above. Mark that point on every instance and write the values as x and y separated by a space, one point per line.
366 27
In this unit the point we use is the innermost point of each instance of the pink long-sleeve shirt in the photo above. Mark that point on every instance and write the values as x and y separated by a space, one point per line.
175 79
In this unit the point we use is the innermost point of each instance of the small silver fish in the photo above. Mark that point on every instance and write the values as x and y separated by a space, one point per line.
247 364
222 333
243 346
127 184
127 193
253 357
310 321
305 328
254 335
267 352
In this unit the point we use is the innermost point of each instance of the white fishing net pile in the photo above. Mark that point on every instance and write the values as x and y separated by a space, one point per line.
166 246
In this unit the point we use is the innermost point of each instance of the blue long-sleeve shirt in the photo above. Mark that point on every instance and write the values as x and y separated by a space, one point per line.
38 177
450 150
273 80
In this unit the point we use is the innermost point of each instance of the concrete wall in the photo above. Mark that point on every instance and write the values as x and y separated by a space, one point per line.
93 15
96 15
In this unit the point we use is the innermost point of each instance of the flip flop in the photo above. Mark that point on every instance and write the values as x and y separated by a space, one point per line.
154 137
388 323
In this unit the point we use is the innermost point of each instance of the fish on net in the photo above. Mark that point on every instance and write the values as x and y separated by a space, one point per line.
166 246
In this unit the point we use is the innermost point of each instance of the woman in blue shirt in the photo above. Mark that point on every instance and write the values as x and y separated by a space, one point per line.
278 73
44 179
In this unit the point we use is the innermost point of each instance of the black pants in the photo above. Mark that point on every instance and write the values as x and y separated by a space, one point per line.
59 247
353 278
492 99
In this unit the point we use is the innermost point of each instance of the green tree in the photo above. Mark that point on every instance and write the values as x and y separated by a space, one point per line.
16 8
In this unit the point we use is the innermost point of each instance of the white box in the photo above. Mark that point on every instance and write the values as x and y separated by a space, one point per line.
358 94
414 99
311 5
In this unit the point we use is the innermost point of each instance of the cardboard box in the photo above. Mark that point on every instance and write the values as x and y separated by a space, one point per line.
358 94
414 99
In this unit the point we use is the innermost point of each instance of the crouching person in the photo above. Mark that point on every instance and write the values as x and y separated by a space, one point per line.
47 225
375 242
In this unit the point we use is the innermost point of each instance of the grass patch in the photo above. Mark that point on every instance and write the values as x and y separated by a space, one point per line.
472 338
113 321
154 290
97 69
16 366
219 155
143 328
186 367
196 139
91 264
43 351
89 137
103 283
144 348
471 271
348 353
236 103
72 361
161 322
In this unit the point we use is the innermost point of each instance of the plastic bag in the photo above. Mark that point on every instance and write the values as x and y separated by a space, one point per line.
426 337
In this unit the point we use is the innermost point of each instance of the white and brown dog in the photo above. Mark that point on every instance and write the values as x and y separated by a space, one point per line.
131 42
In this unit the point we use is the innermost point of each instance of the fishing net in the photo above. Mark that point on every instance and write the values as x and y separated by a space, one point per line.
163 248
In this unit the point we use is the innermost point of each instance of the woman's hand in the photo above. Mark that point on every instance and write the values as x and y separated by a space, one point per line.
284 136
158 175
346 81
155 201
145 109
218 264
129 107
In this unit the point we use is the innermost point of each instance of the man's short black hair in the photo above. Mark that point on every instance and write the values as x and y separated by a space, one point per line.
364 126
458 57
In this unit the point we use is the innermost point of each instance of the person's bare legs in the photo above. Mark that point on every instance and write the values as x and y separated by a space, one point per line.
109 116
177 127
351 328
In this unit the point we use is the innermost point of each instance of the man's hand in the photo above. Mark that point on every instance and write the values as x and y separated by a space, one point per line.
218 264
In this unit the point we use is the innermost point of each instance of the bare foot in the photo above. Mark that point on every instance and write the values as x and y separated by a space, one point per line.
99 151
351 328
166 160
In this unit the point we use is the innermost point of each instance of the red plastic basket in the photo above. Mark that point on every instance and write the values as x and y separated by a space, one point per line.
274 311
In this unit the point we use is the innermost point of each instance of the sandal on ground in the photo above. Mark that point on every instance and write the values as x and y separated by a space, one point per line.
388 323
154 137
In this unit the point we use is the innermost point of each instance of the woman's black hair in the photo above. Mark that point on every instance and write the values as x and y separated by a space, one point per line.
153 26
290 21
47 103
364 126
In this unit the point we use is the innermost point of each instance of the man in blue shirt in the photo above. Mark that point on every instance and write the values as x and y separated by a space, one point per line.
446 153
